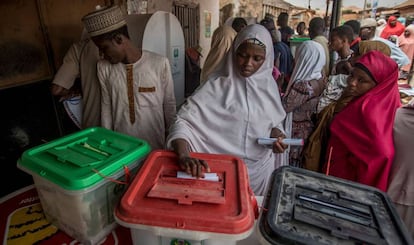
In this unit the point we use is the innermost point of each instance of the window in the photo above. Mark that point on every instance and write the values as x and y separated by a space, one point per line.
189 16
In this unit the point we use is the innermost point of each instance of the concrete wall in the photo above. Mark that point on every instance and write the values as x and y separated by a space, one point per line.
208 7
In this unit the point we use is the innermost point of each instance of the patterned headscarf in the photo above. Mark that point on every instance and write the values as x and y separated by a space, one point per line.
382 68
309 63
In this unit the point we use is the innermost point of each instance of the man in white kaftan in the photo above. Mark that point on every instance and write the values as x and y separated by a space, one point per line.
153 95
137 91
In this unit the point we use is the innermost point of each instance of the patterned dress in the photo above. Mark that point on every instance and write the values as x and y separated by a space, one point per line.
302 101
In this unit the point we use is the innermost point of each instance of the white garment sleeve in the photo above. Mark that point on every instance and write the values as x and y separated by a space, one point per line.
69 70
106 109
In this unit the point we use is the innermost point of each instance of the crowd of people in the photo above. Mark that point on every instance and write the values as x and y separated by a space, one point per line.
348 111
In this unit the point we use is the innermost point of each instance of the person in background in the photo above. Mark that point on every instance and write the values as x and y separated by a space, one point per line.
406 43
238 24
282 54
339 42
80 63
393 27
360 146
402 20
327 20
355 25
302 95
232 109
221 42
269 23
364 47
137 87
300 29
192 69
381 24
285 30
367 32
401 181
394 40
316 33
285 62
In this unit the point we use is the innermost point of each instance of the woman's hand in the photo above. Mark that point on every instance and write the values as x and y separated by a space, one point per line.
278 146
188 164
193 166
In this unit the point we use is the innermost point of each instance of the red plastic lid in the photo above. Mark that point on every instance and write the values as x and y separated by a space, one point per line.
157 198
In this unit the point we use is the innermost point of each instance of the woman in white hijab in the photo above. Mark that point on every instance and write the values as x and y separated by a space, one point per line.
236 105
302 95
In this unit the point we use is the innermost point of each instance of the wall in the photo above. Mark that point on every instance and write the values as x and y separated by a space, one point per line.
212 8
35 36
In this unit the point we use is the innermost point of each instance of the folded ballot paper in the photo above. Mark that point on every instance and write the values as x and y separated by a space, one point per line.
269 141
207 176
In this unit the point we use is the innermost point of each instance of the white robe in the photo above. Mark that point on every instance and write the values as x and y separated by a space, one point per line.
229 112
154 109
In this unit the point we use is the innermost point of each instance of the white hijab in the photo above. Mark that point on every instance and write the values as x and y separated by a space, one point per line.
229 112
381 24
309 63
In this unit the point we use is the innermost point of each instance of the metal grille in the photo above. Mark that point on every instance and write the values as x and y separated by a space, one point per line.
189 17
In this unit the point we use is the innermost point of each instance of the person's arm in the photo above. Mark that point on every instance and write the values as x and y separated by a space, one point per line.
106 111
190 165
60 91
64 80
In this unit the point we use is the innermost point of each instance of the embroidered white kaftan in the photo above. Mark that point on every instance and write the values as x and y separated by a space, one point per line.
154 99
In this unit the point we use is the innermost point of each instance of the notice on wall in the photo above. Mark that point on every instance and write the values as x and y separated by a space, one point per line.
207 24
175 59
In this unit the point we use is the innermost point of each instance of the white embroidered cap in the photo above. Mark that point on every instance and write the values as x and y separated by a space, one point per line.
104 20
